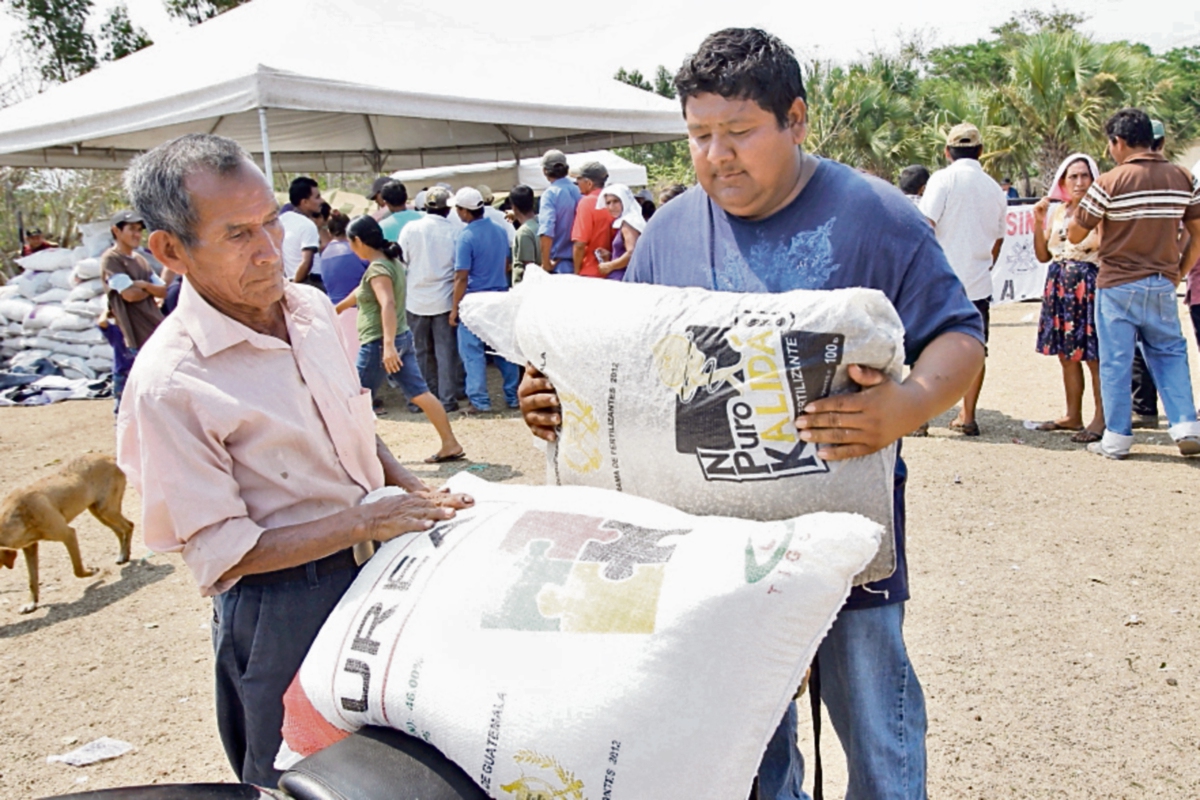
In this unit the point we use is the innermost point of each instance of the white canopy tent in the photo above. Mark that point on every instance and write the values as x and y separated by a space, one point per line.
503 175
258 75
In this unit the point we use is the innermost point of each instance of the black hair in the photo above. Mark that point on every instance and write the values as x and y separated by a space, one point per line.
476 213
1006 180
913 178
441 212
394 193
1158 143
743 64
556 171
1132 125
957 153
648 208
367 231
671 193
301 189
338 222
325 210
522 198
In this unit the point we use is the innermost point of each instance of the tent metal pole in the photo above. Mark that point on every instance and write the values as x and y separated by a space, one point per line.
266 145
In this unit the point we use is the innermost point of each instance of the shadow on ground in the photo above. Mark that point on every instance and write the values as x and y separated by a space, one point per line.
101 594
998 428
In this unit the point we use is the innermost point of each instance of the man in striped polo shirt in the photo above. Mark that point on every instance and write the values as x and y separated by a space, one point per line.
1138 206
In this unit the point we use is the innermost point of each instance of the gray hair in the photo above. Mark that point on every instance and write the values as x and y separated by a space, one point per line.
155 180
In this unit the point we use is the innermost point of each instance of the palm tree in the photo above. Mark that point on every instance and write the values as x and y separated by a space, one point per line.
1062 87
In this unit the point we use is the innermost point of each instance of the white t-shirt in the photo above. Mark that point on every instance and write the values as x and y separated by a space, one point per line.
428 246
969 212
299 234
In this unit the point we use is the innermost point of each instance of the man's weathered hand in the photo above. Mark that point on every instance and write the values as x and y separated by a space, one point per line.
539 404
394 516
858 424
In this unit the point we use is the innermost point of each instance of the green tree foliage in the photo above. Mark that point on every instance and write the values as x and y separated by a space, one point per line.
666 163
56 34
121 37
197 11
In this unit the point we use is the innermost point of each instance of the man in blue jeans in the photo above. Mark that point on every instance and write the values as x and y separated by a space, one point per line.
1139 205
768 217
481 263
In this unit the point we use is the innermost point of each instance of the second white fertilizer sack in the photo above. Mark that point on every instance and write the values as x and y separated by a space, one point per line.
580 644
688 396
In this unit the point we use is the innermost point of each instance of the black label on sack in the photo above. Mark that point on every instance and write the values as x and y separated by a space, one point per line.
738 391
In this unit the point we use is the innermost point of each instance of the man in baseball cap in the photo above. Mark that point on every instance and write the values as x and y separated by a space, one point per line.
132 291
381 211
593 227
968 211
556 216
481 262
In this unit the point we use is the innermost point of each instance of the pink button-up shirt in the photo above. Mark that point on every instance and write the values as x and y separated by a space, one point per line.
226 432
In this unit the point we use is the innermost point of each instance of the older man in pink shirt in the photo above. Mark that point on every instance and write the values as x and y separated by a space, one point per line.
246 432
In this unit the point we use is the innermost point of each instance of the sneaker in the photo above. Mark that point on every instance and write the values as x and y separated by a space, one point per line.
1189 446
1145 421
1098 449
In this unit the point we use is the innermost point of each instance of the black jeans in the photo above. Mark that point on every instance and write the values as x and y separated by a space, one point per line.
1145 393
260 636
436 344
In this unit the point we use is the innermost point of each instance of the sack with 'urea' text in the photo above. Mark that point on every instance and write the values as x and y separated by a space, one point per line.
688 396
572 643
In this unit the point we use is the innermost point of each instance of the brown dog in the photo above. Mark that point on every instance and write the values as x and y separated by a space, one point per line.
43 511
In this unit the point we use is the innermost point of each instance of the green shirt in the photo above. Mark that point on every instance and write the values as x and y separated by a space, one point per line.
526 248
370 320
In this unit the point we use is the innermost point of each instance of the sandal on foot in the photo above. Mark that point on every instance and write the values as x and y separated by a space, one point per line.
1054 426
966 428
1086 437
436 459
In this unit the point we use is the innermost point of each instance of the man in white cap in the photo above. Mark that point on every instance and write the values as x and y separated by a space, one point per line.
481 263
968 211
556 216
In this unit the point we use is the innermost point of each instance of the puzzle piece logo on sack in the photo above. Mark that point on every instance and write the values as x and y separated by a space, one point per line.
738 390
550 781
582 574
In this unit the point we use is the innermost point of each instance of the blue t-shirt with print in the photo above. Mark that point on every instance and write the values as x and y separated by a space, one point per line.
844 229
482 252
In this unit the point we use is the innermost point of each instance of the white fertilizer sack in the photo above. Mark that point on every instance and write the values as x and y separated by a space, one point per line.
100 365
688 396
62 279
52 295
69 321
89 336
573 642
43 316
31 284
88 269
48 260
86 290
16 309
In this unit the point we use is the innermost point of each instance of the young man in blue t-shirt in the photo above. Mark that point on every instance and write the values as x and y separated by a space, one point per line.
768 217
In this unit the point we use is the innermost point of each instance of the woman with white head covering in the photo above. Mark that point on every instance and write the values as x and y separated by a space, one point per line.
1068 325
629 224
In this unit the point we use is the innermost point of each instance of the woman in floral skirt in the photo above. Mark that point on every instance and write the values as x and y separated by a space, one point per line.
1068 325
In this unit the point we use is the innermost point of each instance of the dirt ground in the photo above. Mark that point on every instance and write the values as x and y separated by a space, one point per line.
1054 622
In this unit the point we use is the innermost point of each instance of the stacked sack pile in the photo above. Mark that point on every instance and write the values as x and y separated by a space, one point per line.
50 310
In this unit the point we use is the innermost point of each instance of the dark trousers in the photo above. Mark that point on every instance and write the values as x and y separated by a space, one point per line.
1195 312
437 354
260 636
1145 393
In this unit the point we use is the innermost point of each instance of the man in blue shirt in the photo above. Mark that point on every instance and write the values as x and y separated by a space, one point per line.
481 262
556 215
767 217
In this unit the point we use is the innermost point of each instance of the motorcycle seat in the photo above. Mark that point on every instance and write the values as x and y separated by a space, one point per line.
379 764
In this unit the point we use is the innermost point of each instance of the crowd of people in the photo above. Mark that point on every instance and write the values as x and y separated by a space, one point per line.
1118 245
251 442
